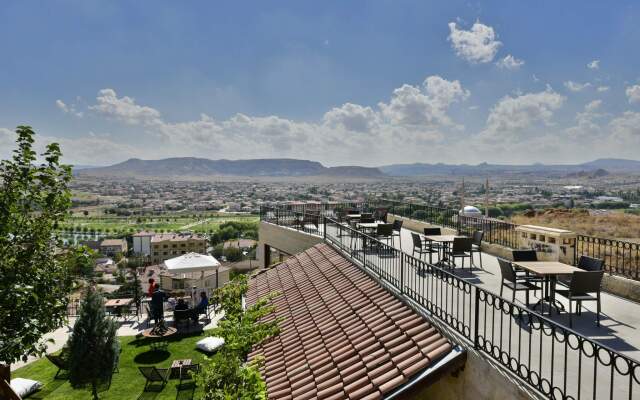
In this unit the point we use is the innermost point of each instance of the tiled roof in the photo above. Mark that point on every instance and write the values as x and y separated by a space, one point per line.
113 242
343 336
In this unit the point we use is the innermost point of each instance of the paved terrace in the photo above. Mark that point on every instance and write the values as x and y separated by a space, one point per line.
548 357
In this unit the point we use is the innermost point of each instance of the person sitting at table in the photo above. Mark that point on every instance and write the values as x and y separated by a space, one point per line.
181 305
201 308
157 303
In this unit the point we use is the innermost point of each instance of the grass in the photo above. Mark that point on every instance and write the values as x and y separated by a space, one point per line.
114 225
612 224
128 383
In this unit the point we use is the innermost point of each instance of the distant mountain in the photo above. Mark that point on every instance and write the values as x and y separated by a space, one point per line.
598 173
613 164
483 169
199 167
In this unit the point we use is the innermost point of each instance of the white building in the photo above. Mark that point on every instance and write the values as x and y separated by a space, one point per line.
142 243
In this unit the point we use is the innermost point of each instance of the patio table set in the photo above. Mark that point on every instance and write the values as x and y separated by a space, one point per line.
581 283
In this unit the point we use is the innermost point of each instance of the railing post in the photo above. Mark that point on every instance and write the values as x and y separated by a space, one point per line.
401 271
476 318
324 228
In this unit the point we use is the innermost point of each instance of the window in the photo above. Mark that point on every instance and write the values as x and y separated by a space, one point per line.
177 284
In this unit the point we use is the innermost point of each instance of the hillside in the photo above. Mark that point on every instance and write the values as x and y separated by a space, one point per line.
201 167
483 169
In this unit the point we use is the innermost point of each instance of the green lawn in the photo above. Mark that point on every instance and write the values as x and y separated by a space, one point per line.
126 384
169 223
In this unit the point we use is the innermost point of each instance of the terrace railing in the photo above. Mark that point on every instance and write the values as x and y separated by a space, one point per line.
620 257
556 361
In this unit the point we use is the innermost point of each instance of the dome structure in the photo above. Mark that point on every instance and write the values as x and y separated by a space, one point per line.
470 211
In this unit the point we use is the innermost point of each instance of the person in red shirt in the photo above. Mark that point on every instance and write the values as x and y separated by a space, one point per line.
151 287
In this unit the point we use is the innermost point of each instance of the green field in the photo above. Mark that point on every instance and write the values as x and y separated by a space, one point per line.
206 223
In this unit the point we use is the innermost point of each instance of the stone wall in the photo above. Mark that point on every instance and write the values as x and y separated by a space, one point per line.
418 226
480 379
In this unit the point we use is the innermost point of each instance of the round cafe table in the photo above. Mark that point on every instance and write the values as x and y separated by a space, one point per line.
157 336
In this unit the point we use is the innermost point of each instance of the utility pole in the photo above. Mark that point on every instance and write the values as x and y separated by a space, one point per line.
486 198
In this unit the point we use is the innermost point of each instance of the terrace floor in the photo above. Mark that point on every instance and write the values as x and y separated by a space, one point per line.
619 317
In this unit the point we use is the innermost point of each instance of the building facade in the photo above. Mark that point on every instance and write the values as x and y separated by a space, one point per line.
170 245
111 247
142 243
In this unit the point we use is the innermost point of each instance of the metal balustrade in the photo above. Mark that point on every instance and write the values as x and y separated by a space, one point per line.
556 361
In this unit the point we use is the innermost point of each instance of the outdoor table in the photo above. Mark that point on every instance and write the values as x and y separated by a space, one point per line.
549 271
367 227
158 335
176 366
445 240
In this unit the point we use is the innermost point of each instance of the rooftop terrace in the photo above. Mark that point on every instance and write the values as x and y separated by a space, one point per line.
585 361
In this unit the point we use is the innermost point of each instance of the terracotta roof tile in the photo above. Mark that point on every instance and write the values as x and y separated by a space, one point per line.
343 335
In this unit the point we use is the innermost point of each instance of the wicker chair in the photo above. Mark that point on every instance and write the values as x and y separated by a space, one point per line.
420 248
581 288
460 248
514 282
476 246
397 231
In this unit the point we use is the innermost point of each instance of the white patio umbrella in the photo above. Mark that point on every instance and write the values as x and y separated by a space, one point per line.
192 263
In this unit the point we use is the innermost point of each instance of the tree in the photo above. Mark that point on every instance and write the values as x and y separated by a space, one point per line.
233 254
34 276
93 346
226 375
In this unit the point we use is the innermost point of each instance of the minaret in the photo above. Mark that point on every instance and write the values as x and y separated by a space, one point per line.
486 198
462 196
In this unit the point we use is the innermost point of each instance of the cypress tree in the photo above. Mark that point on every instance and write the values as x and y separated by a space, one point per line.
94 348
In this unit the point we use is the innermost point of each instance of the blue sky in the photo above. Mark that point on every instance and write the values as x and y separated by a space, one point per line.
340 82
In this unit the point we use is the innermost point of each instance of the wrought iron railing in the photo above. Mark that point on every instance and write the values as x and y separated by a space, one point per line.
554 360
620 257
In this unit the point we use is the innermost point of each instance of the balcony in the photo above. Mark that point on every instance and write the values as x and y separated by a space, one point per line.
539 350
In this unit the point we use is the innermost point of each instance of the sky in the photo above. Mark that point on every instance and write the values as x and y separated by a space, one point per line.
340 82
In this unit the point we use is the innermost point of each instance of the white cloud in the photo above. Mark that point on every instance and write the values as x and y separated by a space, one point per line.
512 116
351 117
586 125
426 106
626 129
124 109
68 109
7 139
633 93
602 89
595 64
419 114
510 62
575 86
593 105
477 45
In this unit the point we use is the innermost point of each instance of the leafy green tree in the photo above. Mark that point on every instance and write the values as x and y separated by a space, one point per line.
226 375
93 346
34 276
233 254
81 261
